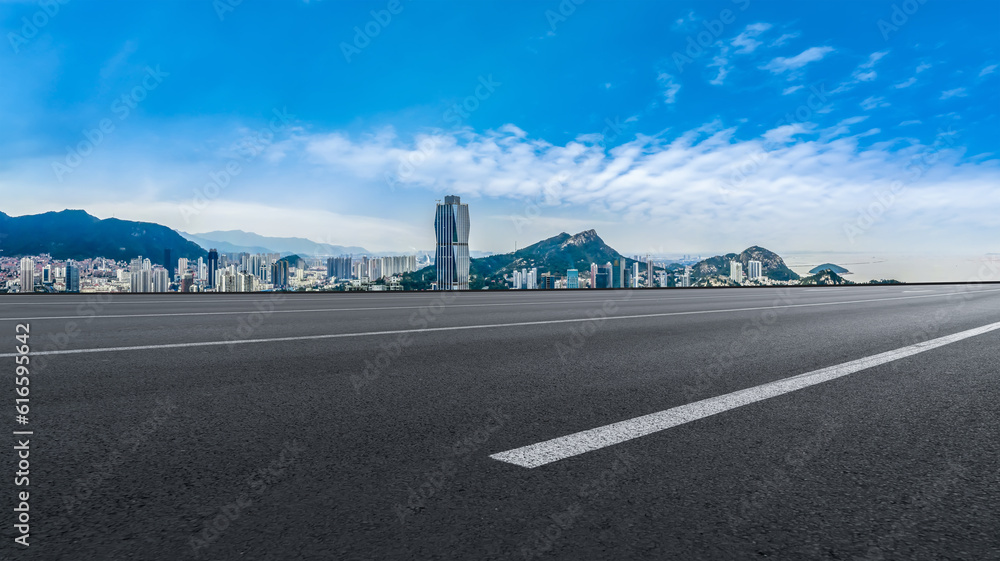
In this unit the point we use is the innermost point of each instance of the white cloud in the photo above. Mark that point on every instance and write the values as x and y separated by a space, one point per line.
923 66
957 92
906 84
784 39
872 102
988 70
791 90
670 87
746 41
911 122
852 120
721 61
812 54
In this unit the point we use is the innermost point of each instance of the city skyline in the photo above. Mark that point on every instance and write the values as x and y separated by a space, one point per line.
712 124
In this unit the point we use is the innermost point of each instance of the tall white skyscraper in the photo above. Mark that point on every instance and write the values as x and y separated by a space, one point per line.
27 274
754 270
635 275
687 277
451 229
736 271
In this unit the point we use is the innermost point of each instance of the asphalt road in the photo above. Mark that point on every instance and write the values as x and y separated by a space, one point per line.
361 426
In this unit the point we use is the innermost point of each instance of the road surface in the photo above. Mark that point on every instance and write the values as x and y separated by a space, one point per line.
807 423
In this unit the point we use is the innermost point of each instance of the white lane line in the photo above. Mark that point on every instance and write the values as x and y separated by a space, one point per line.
319 310
59 300
316 310
911 291
457 327
543 453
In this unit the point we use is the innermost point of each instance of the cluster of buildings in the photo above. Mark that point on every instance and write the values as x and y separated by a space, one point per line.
615 274
754 271
219 272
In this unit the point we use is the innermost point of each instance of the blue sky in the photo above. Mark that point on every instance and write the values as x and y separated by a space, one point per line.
670 127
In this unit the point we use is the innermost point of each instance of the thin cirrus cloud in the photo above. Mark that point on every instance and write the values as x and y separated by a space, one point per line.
905 84
670 87
746 41
957 92
988 70
783 64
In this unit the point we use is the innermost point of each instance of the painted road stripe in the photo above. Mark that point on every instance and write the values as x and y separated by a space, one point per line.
575 444
457 327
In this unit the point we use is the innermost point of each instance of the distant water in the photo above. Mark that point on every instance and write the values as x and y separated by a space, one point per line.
904 268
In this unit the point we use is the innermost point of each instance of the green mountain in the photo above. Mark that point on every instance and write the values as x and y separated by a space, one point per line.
772 265
824 277
74 234
828 267
553 255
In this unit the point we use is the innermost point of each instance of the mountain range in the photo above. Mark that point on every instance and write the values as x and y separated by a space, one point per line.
238 241
74 234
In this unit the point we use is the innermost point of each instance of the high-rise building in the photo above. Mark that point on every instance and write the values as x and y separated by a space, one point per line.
635 275
736 271
47 274
532 282
279 275
618 273
451 260
27 273
182 266
72 277
649 273
213 266
339 267
754 270
593 275
603 276
160 280
572 278
168 262
687 277
548 281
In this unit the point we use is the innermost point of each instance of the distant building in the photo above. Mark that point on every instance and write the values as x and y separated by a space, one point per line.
635 275
451 259
279 275
548 281
160 280
532 282
213 267
168 262
736 271
593 275
754 270
72 277
338 267
618 273
47 274
572 278
603 276
187 281
686 280
27 274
